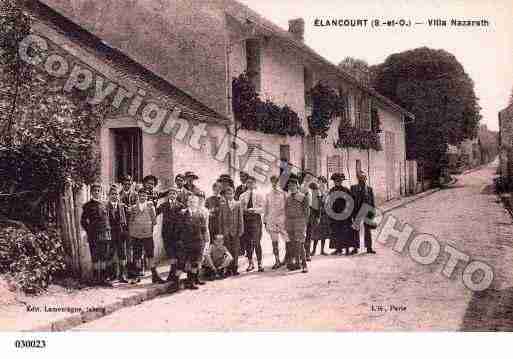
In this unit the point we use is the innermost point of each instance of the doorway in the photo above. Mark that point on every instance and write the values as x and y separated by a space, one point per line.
128 153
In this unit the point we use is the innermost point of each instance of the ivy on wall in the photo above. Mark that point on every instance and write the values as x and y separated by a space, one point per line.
326 105
253 114
350 136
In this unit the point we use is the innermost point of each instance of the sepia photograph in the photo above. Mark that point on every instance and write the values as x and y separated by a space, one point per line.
171 166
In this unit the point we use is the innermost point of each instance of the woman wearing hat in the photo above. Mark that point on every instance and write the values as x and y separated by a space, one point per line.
339 212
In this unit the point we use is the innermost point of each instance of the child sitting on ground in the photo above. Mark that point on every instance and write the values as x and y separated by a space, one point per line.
218 258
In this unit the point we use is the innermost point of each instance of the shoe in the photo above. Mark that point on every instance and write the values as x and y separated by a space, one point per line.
174 286
171 277
324 253
353 252
198 281
189 282
305 269
308 259
371 251
260 268
250 268
336 253
276 266
155 278
235 273
283 263
290 266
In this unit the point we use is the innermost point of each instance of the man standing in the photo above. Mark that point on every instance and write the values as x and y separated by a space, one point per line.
231 222
312 228
183 193
149 184
190 177
297 211
128 195
119 232
213 203
363 194
174 249
242 187
192 232
253 206
340 216
95 221
274 218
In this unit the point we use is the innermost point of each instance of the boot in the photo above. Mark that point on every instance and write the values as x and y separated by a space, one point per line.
305 268
123 274
189 282
197 280
155 278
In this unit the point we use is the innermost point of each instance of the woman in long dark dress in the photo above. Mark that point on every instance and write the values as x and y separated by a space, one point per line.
340 216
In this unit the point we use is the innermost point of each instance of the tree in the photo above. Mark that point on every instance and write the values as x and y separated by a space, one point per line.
358 68
48 136
14 26
434 86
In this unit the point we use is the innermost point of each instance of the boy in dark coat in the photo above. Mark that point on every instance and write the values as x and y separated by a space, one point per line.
174 249
192 232
231 222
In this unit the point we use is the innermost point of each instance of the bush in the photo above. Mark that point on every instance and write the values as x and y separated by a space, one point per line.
32 259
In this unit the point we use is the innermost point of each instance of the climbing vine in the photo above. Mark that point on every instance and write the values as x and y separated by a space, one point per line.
326 105
253 114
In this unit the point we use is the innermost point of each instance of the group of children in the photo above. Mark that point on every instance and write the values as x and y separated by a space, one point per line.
202 237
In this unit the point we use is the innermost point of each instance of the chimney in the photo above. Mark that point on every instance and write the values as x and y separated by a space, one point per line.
297 28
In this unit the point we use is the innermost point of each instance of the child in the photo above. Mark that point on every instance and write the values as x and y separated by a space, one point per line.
95 221
218 258
231 220
169 210
274 218
142 221
297 212
191 231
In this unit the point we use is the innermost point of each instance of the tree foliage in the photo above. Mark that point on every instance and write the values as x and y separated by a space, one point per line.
434 86
357 68
49 135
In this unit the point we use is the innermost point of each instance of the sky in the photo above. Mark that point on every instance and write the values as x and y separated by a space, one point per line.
486 53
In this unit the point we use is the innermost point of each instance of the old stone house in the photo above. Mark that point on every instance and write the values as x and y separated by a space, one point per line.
199 46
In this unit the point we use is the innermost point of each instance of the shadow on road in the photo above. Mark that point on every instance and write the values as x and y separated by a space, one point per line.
490 310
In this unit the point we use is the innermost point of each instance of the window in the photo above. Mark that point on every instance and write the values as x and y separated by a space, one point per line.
358 166
253 62
308 84
285 153
362 112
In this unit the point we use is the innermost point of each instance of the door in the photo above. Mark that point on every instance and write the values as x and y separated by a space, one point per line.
128 158
390 165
